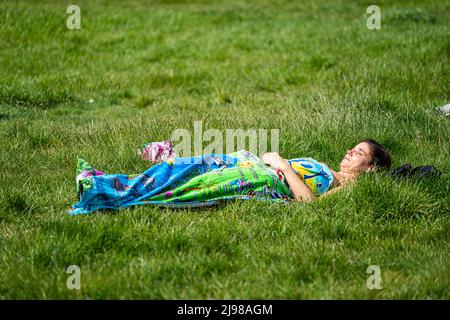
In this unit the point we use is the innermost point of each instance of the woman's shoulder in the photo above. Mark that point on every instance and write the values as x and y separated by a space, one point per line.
338 181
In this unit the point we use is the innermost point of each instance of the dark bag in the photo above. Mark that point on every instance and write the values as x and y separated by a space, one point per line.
407 171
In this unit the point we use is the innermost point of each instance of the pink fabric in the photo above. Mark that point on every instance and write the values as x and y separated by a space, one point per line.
157 152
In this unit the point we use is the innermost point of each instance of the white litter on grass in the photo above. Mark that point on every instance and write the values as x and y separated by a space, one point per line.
445 109
91 100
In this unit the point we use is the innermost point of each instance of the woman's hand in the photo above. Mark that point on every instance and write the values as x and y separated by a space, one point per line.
298 187
275 161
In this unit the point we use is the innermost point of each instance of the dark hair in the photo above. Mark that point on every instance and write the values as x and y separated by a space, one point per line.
380 157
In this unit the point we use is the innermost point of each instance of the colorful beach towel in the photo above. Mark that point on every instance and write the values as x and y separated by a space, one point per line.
316 175
181 182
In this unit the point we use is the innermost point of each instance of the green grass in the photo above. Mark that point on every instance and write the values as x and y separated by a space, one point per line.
312 70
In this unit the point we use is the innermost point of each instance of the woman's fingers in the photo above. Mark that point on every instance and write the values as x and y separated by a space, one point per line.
274 160
270 155
267 158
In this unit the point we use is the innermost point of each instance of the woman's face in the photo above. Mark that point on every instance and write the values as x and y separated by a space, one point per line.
357 159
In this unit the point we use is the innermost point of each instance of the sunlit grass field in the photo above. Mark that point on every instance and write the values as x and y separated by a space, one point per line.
137 71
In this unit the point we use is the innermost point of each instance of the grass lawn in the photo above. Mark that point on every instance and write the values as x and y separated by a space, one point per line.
136 72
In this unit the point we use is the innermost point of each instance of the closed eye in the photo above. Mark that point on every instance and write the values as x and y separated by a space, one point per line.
361 152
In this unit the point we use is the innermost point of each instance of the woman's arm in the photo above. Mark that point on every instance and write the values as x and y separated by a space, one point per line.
298 187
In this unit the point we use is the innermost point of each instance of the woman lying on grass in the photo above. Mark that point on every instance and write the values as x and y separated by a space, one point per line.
209 179
366 156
